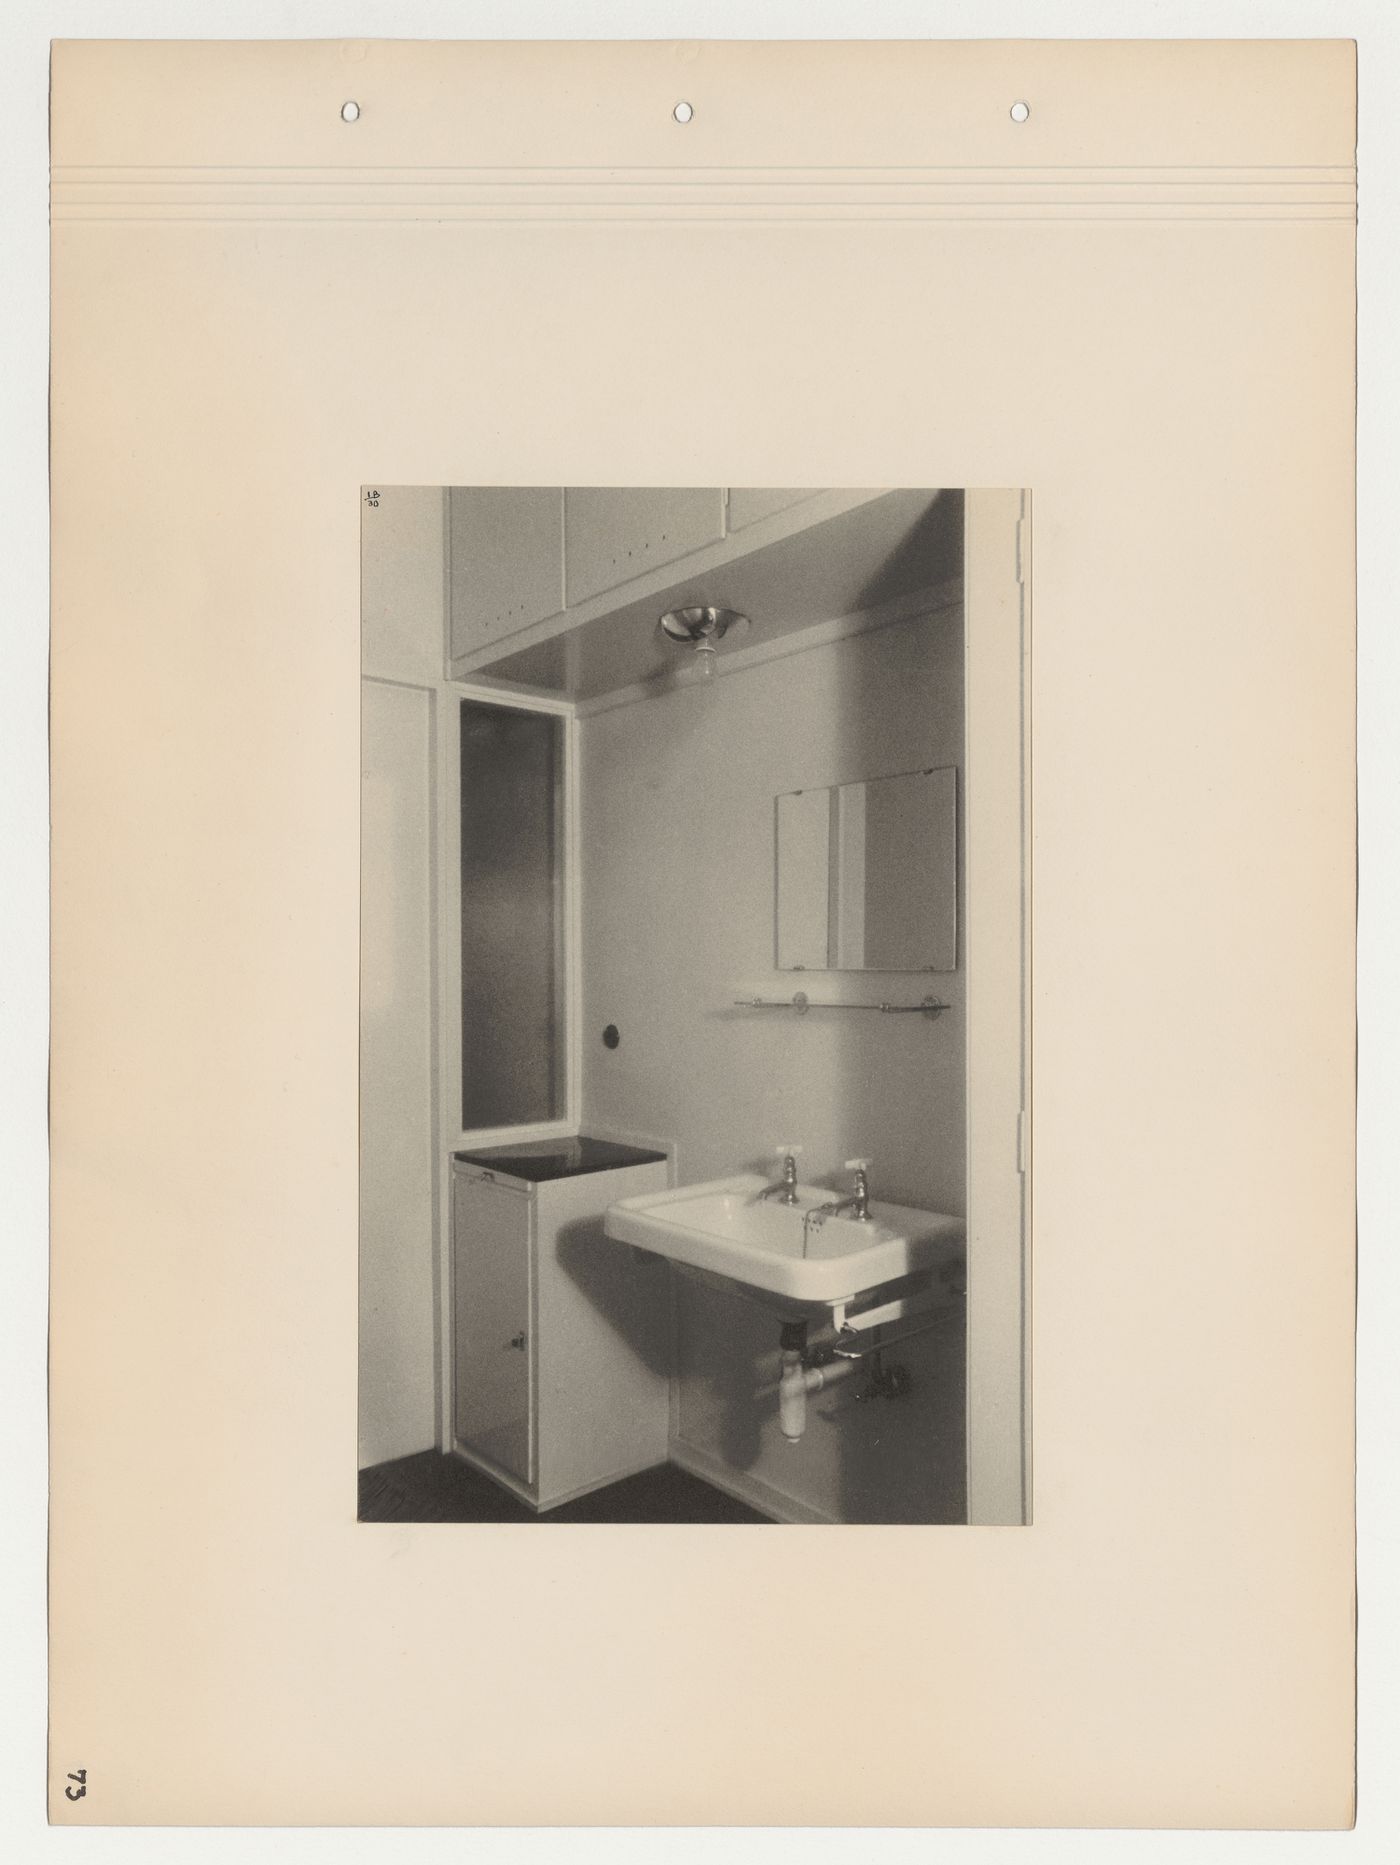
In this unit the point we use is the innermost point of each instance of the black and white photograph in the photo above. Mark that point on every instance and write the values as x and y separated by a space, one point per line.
693 1132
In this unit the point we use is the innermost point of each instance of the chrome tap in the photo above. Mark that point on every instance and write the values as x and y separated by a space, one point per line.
859 1201
787 1185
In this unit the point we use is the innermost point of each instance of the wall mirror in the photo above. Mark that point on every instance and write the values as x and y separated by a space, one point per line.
867 875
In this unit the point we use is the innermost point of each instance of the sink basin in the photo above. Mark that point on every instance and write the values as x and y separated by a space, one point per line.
723 1226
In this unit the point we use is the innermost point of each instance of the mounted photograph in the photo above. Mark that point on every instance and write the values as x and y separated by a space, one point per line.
694 1123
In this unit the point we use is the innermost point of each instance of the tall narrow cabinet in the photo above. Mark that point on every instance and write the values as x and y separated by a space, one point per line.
560 1338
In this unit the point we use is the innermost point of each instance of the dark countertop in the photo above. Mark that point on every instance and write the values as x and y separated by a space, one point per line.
539 1160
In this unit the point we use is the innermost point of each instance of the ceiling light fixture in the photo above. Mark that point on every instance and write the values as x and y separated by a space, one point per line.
701 628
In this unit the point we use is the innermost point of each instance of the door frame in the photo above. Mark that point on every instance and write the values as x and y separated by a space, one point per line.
447 845
998 825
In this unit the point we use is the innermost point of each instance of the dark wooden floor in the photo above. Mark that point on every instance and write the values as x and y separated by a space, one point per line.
430 1487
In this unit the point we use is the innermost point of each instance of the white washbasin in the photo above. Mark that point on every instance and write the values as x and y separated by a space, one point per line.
725 1227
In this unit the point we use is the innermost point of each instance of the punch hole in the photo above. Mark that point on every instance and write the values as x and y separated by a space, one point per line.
683 112
349 111
1019 112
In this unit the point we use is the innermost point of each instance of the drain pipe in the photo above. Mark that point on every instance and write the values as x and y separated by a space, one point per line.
798 1380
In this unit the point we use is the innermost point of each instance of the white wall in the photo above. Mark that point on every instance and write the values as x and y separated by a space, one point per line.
397 1385
402 645
677 862
402 570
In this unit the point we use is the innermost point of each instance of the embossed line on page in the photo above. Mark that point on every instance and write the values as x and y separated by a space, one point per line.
703 195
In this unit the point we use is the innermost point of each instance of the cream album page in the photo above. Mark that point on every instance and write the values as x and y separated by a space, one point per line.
703 880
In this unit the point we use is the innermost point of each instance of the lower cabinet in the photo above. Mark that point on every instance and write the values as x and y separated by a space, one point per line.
560 1349
492 1401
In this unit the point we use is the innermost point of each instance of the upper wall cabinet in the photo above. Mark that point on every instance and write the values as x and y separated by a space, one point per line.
747 504
507 561
788 559
614 533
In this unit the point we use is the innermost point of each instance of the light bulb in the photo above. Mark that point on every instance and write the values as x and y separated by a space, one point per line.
705 660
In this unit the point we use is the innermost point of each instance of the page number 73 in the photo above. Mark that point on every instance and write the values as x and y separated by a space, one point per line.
76 1793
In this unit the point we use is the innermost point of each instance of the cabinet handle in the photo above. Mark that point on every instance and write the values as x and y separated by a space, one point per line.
517 1340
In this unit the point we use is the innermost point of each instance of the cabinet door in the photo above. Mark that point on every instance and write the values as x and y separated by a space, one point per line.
613 533
507 561
747 504
492 1349
604 1309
